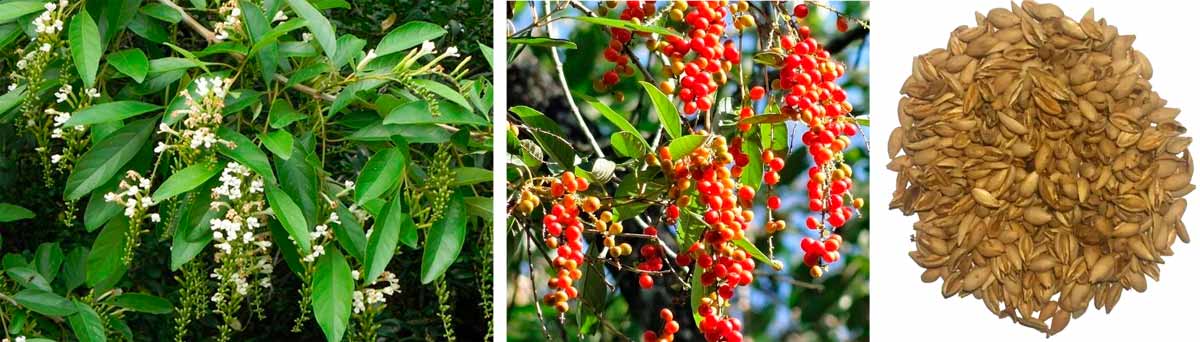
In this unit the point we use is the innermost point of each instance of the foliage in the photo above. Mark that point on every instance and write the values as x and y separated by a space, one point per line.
206 165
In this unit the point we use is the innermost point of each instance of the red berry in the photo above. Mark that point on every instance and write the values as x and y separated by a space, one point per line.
773 202
757 93
842 24
645 281
800 11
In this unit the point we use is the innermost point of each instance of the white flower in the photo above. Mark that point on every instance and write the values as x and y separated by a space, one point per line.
452 51
13 86
63 93
21 64
55 158
333 217
92 92
348 184
354 274
155 218
160 148
426 48
144 183
322 231
45 47
366 59
50 6
202 87
306 36
279 16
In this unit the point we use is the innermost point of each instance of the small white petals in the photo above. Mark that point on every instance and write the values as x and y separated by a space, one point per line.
279 16
54 159
155 218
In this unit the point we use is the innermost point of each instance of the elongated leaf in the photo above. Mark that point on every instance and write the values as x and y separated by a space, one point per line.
381 245
282 114
141 302
132 62
12 212
86 324
445 240
542 42
625 24
103 161
278 142
628 144
273 35
194 233
320 27
548 134
752 250
185 180
44 302
15 9
27 277
619 121
752 172
290 217
246 153
48 258
350 234
10 100
106 260
445 91
406 36
417 112
470 176
110 111
74 271
332 290
668 115
684 146
697 294
381 173
85 46
162 12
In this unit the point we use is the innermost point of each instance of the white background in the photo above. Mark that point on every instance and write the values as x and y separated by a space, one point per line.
905 309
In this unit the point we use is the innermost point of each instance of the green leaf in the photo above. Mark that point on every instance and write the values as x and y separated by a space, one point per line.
194 234
548 134
11 99
350 234
103 161
290 217
625 24
317 24
752 250
445 91
542 42
445 240
668 115
141 302
697 293
109 111
162 12
85 46
245 153
12 212
185 180
98 210
28 277
282 114
106 265
684 146
86 324
470 176
408 231
752 173
764 118
629 144
616 118
278 142
380 174
381 245
74 270
273 35
48 258
332 290
12 10
863 121
44 302
406 36
487 54
417 112
132 62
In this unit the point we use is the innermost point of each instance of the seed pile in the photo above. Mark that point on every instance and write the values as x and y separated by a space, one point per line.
1044 171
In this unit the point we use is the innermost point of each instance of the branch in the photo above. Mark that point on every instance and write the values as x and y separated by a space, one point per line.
840 42
562 78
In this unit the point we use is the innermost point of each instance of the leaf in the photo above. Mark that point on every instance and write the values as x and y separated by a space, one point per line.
27 277
350 234
74 270
245 153
445 240
332 288
193 234
12 212
381 245
668 115
109 111
162 12
487 54
86 324
616 118
445 91
752 173
625 24
470 176
185 180
282 114
131 62
548 134
763 118
542 42
863 121
273 35
48 258
380 174
278 142
752 250
44 302
406 36
684 146
141 302
697 293
627 144
290 217
417 112
12 10
85 46
106 265
11 99
317 24
103 161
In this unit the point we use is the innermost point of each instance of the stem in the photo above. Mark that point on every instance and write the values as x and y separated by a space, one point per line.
562 78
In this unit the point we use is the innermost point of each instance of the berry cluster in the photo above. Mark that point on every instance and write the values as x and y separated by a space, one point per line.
701 61
636 11
562 222
670 327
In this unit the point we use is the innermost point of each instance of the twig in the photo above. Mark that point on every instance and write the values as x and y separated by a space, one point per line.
562 78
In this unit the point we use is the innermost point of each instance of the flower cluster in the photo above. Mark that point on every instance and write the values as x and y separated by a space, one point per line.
203 117
233 20
15 339
368 297
47 26
321 233
243 254
133 194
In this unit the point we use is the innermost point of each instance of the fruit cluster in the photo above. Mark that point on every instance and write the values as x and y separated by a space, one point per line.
564 234
636 11
701 61
670 327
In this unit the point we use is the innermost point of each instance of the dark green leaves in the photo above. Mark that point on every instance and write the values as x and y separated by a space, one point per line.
317 24
132 62
445 240
668 115
85 46
381 173
381 245
141 302
417 112
278 142
105 263
470 176
185 180
110 111
350 234
15 9
103 161
542 42
86 324
332 288
44 302
290 217
10 212
445 91
406 36
547 134
245 153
